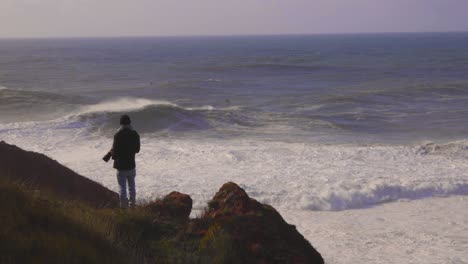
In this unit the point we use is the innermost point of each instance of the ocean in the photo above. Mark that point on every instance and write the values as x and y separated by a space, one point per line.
361 129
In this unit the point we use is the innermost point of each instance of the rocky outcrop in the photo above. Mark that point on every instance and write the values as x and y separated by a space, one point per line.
42 173
257 232
175 205
234 228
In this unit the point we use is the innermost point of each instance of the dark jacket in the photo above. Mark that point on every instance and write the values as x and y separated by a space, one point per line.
126 145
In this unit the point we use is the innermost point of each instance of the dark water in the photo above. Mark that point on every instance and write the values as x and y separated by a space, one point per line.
345 88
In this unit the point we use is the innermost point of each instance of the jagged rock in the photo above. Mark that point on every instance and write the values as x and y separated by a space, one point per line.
234 229
231 199
257 231
175 205
45 174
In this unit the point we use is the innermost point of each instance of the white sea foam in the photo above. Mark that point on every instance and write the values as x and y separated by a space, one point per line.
294 177
130 104
429 231
299 175
124 104
205 107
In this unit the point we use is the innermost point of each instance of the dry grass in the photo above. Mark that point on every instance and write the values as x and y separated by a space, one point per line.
38 227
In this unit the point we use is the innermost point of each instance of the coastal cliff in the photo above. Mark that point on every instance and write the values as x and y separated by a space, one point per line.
51 214
42 173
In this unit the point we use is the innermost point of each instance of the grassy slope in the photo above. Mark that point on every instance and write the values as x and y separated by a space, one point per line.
38 227
50 214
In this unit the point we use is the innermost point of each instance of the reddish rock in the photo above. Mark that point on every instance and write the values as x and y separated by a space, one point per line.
231 199
175 205
258 231
245 230
42 173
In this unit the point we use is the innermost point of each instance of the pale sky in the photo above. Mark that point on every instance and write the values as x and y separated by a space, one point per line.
93 18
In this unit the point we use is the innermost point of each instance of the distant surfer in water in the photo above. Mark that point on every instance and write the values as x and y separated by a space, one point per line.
126 145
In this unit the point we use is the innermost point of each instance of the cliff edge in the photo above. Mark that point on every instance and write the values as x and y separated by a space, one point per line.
45 174
51 214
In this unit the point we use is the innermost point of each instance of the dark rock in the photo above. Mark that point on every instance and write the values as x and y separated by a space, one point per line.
175 205
258 232
232 200
234 229
44 174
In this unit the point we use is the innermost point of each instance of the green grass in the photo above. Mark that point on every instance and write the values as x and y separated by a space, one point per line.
37 227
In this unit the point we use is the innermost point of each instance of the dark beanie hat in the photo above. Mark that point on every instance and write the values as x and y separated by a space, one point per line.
125 120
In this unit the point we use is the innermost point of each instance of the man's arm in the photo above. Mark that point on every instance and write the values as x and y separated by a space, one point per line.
115 147
137 142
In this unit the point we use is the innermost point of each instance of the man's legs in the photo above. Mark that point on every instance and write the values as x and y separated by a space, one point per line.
131 186
122 180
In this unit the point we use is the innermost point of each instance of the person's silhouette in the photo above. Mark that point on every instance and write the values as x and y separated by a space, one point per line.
126 145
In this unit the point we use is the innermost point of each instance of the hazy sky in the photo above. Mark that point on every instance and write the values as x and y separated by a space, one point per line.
65 18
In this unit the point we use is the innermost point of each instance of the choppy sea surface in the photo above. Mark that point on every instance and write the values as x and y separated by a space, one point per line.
329 123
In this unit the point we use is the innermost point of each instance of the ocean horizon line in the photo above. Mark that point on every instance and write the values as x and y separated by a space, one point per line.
235 35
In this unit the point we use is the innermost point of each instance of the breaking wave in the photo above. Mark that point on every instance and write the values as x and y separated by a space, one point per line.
368 196
155 115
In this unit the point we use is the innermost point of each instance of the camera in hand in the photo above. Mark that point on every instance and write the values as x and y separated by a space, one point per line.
107 157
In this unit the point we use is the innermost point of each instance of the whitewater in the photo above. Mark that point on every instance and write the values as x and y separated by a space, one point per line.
358 140
314 186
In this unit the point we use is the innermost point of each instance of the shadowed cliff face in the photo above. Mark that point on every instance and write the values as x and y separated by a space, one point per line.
258 232
234 228
39 171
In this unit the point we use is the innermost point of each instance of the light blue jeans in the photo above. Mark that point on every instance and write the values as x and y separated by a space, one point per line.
123 177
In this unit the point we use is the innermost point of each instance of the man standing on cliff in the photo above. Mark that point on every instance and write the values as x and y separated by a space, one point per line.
126 145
